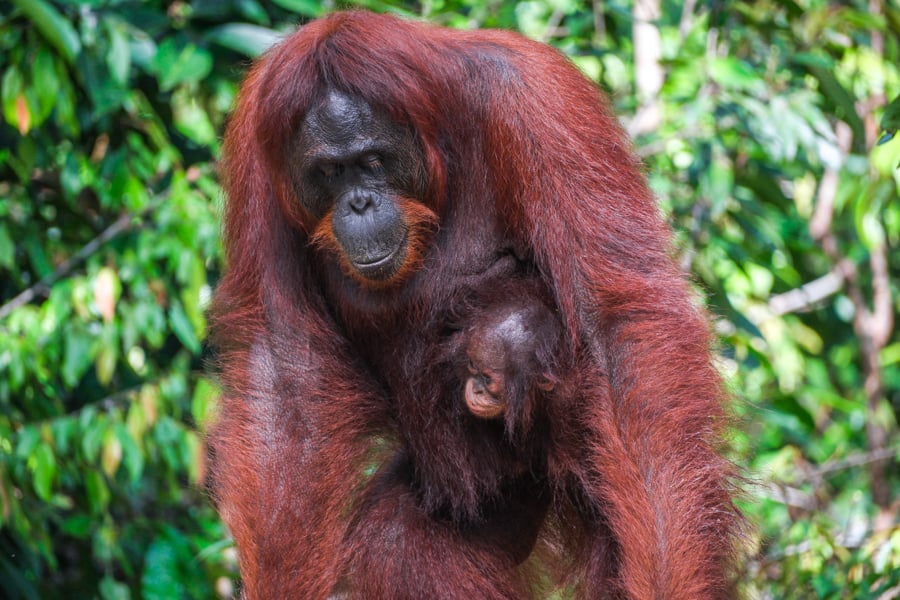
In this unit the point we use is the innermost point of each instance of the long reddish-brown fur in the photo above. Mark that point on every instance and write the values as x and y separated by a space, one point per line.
518 146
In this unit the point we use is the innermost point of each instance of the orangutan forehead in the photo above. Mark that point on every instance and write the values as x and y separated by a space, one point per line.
343 121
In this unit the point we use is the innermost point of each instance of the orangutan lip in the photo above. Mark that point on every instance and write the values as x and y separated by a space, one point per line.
380 268
375 263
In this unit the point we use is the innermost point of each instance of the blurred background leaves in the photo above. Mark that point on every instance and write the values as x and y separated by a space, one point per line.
758 123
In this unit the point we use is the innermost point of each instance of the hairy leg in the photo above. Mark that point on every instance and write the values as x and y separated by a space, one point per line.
396 550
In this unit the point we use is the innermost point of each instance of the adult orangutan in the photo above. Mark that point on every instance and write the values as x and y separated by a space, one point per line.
458 358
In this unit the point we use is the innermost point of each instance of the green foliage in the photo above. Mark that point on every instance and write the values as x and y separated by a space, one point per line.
760 145
109 225
769 117
890 121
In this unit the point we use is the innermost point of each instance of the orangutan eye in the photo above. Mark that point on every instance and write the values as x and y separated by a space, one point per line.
330 170
371 161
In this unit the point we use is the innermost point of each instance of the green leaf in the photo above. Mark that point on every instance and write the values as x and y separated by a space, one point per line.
249 40
53 26
733 73
111 457
64 109
309 8
789 409
760 279
63 433
890 355
92 439
12 85
110 589
143 52
98 493
182 328
252 11
28 440
163 562
43 465
78 356
203 402
46 84
176 64
132 455
193 122
106 95
79 526
105 364
867 212
823 69
170 438
890 122
870 231
118 57
7 249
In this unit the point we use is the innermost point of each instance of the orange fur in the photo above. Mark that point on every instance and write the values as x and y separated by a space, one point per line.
344 461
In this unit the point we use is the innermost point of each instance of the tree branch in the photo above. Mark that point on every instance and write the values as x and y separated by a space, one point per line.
124 223
648 71
807 295
871 326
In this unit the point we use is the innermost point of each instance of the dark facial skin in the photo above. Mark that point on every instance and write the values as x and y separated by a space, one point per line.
352 168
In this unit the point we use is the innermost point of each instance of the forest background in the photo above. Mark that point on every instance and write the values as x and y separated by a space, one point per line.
758 123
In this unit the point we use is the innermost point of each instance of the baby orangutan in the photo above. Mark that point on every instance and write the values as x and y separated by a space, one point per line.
512 349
